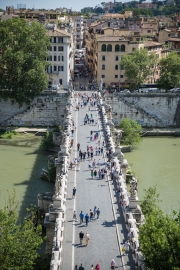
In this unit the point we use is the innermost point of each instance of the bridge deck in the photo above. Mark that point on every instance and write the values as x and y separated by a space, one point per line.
107 233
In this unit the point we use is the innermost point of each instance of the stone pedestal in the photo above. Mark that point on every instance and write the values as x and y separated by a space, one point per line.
133 202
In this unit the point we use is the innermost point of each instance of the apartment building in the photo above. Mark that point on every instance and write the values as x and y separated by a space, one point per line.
79 31
104 51
61 57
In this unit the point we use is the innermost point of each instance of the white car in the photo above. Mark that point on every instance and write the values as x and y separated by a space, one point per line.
173 90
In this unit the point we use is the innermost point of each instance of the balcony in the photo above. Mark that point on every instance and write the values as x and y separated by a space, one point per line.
53 72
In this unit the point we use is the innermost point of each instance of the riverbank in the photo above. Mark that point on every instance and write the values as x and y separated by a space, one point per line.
175 132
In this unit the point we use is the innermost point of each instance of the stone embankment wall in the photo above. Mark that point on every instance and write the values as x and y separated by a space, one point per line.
45 110
157 109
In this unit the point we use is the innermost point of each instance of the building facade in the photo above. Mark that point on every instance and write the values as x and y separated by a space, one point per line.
79 31
60 57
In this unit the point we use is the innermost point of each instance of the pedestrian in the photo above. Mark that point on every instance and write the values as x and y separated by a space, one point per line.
127 245
113 264
101 150
87 219
99 162
92 173
74 192
92 267
76 267
95 173
74 216
96 149
72 131
81 267
88 153
91 214
91 155
87 238
81 215
78 146
81 236
95 210
97 267
99 173
98 213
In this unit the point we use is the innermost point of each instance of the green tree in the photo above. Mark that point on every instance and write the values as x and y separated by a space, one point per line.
138 66
160 241
169 71
131 132
23 52
19 241
150 200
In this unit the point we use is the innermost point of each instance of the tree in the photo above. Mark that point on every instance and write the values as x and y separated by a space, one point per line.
23 52
160 241
169 71
131 132
18 241
138 66
150 200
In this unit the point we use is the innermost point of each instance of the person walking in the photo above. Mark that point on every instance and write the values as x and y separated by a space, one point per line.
75 216
97 267
127 245
91 214
98 213
81 215
81 237
92 173
78 147
87 238
74 192
113 264
92 267
81 267
95 211
87 219
95 173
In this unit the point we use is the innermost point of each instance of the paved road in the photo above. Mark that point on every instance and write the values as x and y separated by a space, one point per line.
104 244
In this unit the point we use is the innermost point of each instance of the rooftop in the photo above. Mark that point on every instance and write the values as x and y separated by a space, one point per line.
58 33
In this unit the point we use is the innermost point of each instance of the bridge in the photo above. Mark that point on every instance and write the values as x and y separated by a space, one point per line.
119 212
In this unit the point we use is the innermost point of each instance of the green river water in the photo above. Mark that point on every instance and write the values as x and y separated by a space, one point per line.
21 161
157 162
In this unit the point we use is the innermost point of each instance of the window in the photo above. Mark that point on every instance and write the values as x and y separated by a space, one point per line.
116 58
121 76
149 31
59 58
103 66
55 68
117 48
103 76
103 57
54 39
133 49
116 76
50 48
50 58
60 68
55 58
54 48
123 48
116 67
60 39
109 48
60 48
60 81
62 58
103 48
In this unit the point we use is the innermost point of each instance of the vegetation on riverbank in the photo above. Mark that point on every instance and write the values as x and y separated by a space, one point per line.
12 134
19 240
131 132
47 141
160 235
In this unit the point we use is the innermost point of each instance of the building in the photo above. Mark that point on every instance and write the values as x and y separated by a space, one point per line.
146 6
104 49
79 31
60 57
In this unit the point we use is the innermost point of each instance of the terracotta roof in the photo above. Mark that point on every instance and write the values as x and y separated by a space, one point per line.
114 15
58 33
151 44
112 38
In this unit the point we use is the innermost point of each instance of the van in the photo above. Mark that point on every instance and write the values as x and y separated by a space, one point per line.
55 87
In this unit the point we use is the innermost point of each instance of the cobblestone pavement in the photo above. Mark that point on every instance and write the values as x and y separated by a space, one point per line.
106 231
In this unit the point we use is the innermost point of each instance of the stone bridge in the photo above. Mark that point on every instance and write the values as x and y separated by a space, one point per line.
119 210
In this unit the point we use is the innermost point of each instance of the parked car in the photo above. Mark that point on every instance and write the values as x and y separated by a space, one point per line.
174 90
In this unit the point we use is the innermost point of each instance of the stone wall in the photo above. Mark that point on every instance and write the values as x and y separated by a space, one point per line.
45 110
157 110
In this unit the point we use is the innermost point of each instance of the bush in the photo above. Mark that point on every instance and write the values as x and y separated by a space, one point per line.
47 141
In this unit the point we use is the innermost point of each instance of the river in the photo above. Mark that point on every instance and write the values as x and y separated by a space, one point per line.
21 161
156 162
